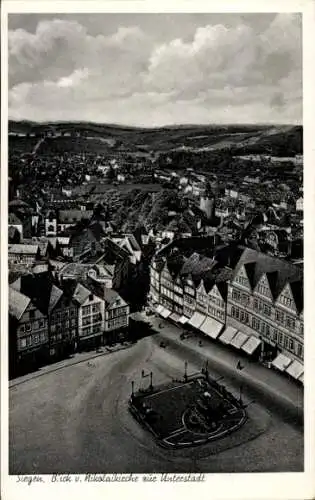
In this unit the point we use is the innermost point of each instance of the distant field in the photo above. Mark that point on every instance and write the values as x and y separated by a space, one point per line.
102 138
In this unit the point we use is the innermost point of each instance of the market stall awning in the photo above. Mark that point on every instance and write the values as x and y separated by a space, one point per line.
301 378
196 320
295 369
281 362
165 313
239 339
183 320
211 327
251 344
175 317
228 335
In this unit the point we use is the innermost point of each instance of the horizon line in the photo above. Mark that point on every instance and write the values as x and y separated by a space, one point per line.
148 127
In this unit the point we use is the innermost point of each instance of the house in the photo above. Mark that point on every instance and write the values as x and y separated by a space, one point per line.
299 204
69 218
23 254
57 304
114 260
116 315
46 248
129 243
85 240
90 316
16 223
265 304
248 300
28 332
103 274
50 223
14 235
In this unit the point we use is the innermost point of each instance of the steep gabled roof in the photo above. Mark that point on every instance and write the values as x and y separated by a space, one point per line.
14 220
81 294
278 271
111 296
44 294
17 303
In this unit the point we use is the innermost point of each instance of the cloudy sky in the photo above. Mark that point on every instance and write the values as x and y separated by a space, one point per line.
156 69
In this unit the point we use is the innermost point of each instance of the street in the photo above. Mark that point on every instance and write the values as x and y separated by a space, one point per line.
76 419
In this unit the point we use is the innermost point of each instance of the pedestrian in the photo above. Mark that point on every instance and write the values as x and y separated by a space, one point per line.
239 366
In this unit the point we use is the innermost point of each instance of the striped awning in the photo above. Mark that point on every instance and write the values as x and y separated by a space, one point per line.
239 339
196 320
295 369
211 327
251 344
228 335
281 362
175 317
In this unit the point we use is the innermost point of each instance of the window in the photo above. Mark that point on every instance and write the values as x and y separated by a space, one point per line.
263 290
236 294
72 312
280 338
86 310
291 345
243 316
280 317
27 327
42 337
41 323
290 322
96 308
36 338
267 310
22 343
299 350
29 340
256 323
267 331
22 328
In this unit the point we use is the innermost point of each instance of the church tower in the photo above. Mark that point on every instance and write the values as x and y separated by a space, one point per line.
207 202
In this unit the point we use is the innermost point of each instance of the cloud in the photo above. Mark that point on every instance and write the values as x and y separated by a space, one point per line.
223 74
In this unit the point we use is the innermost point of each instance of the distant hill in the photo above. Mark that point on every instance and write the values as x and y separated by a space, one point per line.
241 139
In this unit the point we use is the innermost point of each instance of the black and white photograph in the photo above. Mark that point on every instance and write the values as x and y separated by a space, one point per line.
155 245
